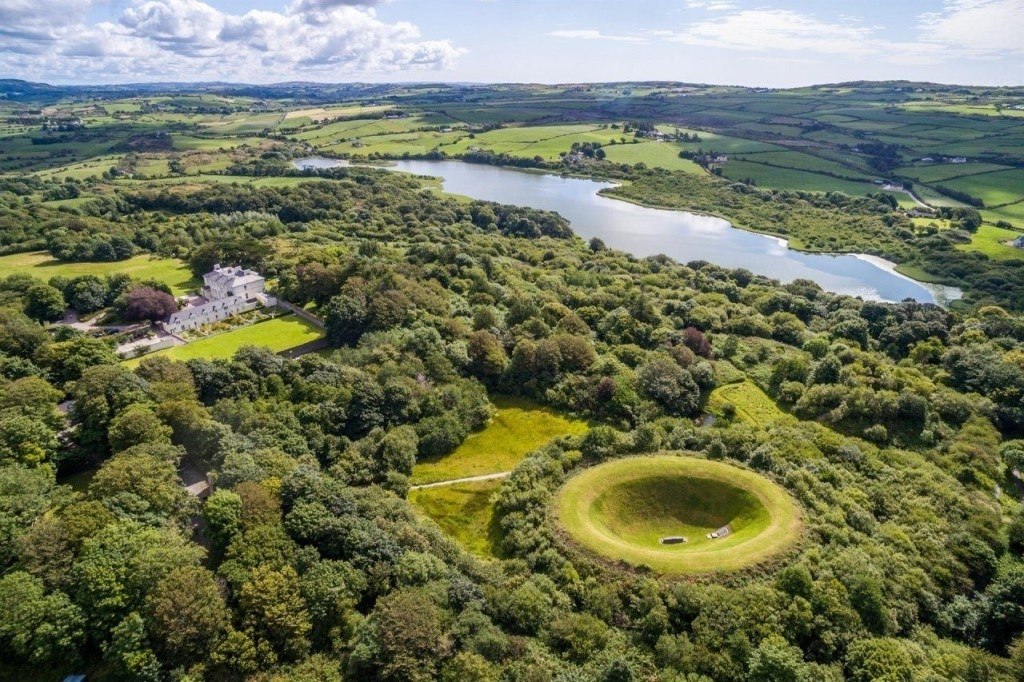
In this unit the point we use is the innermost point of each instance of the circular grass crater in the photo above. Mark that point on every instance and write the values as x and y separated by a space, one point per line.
624 509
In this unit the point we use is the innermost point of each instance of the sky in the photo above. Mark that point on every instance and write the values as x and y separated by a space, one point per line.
764 43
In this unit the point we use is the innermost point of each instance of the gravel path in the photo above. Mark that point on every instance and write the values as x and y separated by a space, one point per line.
453 481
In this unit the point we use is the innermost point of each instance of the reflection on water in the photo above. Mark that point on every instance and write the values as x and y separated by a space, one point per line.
685 237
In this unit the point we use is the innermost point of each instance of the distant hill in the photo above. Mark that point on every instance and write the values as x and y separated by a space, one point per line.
17 90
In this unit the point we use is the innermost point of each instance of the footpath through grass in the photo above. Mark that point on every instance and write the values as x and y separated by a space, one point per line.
41 265
280 333
518 427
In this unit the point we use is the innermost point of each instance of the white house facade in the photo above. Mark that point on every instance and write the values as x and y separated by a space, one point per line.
228 291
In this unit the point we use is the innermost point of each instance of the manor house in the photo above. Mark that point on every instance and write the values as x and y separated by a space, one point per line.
226 291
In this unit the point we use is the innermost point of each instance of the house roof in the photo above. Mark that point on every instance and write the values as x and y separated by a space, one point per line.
232 276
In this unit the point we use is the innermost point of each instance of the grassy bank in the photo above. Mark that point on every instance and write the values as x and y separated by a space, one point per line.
465 512
621 509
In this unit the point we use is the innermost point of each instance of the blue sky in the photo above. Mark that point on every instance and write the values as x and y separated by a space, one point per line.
776 43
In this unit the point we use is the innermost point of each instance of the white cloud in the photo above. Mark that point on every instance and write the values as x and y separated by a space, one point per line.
977 26
40 19
590 34
712 5
192 40
964 29
776 29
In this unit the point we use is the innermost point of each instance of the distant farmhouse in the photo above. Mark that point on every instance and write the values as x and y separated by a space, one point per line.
226 292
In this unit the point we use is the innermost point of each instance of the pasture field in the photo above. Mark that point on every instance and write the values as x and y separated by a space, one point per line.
84 169
320 113
183 142
369 127
518 427
807 162
1012 213
278 334
153 167
992 188
243 123
993 242
933 198
622 509
939 172
42 265
465 512
395 144
752 404
654 154
792 179
544 141
964 109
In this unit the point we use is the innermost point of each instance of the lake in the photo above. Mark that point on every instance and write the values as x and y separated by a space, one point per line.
683 236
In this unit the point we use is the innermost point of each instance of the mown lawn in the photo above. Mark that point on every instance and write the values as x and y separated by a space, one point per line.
621 509
277 334
518 427
464 511
42 265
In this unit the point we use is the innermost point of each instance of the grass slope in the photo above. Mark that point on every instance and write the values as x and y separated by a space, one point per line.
518 427
622 508
752 404
465 512
42 265
277 334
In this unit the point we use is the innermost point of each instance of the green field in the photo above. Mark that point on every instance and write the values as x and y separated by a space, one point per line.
807 162
793 179
939 172
620 510
992 188
993 242
464 511
752 404
660 154
518 427
41 264
278 334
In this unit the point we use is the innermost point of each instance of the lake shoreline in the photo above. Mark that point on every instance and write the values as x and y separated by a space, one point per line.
938 289
641 229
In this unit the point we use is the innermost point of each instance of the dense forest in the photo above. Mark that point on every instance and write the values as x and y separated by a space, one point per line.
899 440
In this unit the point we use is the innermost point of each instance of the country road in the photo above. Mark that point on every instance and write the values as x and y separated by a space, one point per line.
453 481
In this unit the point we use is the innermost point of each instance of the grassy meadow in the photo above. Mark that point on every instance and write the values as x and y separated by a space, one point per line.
465 512
518 427
42 265
751 403
994 242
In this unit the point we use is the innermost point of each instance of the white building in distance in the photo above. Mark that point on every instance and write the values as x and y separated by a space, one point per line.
227 291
